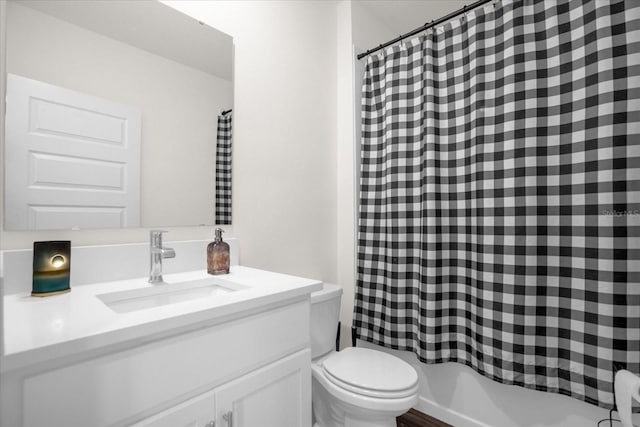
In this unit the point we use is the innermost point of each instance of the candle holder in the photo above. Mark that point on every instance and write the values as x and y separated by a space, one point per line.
51 268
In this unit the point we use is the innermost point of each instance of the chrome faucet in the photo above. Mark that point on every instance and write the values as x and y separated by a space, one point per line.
157 252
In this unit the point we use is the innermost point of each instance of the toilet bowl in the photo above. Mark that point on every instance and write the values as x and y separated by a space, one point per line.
356 387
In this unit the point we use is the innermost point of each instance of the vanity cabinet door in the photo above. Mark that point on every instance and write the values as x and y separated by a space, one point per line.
276 395
196 412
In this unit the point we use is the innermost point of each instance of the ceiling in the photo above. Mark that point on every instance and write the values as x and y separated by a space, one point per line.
151 26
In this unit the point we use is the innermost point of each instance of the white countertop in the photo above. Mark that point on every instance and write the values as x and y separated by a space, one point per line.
40 329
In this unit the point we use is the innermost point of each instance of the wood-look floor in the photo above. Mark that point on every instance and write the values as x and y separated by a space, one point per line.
415 418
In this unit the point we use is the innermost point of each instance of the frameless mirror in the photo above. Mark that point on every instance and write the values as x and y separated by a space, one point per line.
113 111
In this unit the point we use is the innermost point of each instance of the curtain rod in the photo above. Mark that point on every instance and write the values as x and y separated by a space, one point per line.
425 27
226 112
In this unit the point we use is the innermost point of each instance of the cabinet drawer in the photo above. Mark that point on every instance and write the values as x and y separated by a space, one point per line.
111 388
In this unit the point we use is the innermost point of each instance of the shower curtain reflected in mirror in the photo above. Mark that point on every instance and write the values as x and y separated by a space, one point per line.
223 169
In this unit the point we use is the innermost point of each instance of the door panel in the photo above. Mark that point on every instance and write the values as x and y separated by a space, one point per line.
196 412
274 396
69 156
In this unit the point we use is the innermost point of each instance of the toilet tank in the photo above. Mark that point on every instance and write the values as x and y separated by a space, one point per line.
325 313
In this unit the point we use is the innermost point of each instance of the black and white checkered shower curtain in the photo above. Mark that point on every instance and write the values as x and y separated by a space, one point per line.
223 169
499 219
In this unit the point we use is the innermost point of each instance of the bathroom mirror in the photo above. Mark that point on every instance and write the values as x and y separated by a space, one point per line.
167 74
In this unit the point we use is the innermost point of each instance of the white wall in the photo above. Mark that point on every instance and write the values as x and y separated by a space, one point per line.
3 73
179 106
346 177
454 392
285 130
368 31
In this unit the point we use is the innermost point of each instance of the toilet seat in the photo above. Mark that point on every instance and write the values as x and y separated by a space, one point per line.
371 373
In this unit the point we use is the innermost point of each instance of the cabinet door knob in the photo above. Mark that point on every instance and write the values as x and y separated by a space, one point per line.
210 424
228 417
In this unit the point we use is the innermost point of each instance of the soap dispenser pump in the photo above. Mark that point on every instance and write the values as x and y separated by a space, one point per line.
218 257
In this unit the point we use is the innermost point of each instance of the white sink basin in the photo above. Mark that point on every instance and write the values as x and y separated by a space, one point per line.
167 293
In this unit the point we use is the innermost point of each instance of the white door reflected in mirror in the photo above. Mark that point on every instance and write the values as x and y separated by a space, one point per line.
81 155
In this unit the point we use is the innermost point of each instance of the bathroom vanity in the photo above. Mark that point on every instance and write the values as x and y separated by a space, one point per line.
203 351
116 350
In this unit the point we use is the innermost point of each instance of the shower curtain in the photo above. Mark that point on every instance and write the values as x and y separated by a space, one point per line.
499 218
223 170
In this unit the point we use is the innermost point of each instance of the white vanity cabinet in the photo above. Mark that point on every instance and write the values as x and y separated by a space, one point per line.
196 412
244 369
271 396
274 396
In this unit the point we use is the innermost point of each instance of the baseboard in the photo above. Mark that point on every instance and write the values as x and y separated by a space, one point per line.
446 414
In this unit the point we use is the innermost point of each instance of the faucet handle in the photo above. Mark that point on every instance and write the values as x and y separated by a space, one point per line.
155 237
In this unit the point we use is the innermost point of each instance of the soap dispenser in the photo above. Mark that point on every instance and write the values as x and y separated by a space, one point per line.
218 257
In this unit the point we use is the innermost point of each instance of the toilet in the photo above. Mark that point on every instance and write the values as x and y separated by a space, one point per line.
356 387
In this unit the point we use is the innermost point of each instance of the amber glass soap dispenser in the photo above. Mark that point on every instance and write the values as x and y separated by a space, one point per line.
218 257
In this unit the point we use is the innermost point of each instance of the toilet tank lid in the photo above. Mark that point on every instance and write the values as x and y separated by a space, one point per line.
371 369
327 292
